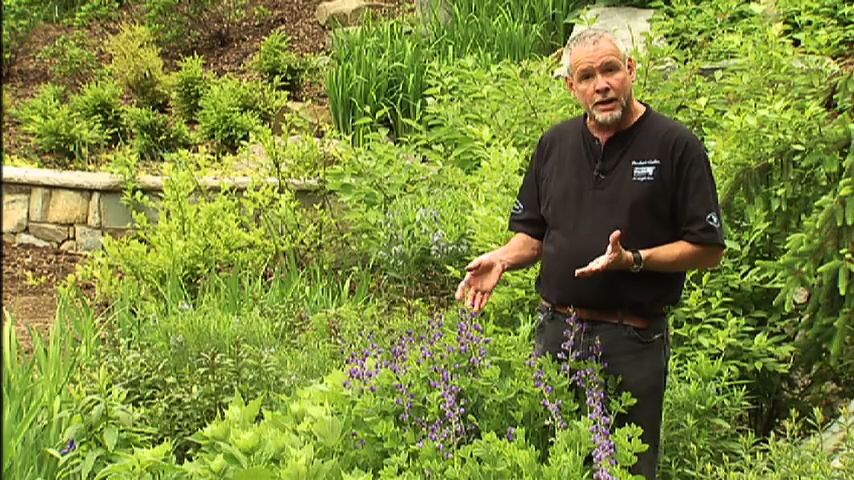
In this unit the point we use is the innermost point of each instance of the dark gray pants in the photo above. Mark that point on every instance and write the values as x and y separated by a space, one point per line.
638 357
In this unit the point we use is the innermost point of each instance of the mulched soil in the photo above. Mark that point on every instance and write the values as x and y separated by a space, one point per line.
30 279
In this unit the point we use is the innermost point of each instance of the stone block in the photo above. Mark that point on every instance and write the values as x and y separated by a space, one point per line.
94 218
39 203
88 239
16 207
431 10
9 237
68 246
27 239
68 206
343 13
114 213
50 232
12 188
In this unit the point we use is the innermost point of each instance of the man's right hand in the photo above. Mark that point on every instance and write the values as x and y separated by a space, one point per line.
482 276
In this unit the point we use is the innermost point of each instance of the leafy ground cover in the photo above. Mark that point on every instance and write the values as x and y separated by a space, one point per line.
248 337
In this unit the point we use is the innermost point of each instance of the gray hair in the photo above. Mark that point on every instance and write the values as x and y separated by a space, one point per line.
589 37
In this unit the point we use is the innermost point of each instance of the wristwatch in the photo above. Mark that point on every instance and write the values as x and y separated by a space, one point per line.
637 261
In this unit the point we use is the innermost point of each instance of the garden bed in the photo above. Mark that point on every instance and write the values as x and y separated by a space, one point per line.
71 53
248 337
31 277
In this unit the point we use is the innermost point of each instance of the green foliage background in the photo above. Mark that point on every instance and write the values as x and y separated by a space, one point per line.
223 351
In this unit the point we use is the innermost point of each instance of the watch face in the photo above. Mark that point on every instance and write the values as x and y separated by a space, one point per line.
638 261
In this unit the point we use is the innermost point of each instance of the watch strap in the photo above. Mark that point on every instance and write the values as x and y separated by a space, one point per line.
637 261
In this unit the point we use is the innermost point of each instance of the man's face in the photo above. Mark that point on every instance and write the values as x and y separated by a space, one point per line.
602 82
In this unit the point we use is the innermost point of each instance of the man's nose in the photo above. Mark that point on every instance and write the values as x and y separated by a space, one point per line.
600 84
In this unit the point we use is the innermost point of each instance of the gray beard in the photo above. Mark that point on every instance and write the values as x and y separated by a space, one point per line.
611 119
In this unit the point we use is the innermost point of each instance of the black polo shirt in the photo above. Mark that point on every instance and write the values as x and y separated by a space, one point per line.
653 181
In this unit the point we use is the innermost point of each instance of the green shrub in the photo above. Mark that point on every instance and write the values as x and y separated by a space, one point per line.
101 102
102 426
93 11
137 66
231 110
483 24
278 65
71 57
820 27
705 414
156 134
407 219
191 83
57 128
787 454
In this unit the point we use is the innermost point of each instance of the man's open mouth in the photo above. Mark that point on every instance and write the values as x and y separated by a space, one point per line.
606 103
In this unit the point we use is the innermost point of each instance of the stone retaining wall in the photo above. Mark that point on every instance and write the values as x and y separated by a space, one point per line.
74 210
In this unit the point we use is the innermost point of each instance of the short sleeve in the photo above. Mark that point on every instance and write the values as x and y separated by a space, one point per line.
698 211
526 216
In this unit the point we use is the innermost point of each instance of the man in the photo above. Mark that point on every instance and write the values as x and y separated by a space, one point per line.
627 180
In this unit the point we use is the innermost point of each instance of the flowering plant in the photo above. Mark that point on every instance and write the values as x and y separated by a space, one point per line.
435 393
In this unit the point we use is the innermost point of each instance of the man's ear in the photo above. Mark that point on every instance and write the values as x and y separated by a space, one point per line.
569 83
633 68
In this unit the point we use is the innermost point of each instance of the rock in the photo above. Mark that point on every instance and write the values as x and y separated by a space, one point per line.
39 200
88 239
16 207
68 246
343 13
629 24
59 205
316 114
94 218
20 176
9 237
431 10
27 239
9 189
49 232
114 213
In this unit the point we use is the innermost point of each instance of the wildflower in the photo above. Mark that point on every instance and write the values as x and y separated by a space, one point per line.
72 445
511 434
593 385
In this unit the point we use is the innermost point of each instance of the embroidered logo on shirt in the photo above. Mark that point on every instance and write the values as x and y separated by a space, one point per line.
644 170
518 208
713 220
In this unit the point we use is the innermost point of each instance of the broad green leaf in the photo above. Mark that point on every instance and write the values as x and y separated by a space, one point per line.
111 436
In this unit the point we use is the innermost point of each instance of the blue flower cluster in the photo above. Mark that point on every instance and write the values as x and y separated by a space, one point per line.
583 374
589 379
444 361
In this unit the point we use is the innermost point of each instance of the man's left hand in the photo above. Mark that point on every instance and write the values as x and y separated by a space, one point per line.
615 258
